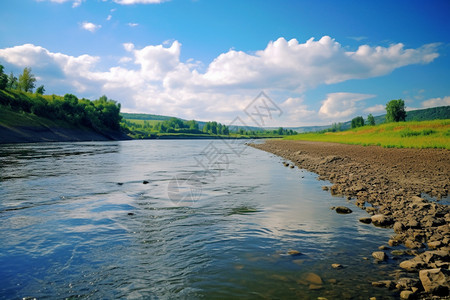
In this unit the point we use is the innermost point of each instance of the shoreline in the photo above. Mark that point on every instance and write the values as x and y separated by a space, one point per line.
388 183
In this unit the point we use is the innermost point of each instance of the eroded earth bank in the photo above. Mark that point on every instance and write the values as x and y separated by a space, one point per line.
390 184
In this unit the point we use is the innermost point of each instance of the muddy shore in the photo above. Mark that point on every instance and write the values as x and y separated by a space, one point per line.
390 185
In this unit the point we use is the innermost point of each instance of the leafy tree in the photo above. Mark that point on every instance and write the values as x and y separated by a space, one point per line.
40 90
370 120
357 122
3 79
27 80
395 111
12 82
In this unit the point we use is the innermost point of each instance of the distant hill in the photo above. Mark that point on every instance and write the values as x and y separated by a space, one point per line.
426 114
146 117
434 113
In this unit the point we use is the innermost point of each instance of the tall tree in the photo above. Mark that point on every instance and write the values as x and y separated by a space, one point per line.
12 82
357 122
395 111
3 79
370 120
27 80
40 90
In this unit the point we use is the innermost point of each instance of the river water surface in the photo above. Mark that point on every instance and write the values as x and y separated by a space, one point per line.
77 220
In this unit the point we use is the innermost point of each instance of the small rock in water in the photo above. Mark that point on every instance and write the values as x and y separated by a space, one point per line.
145 182
325 188
120 183
365 220
131 214
383 247
406 295
314 279
293 252
292 166
337 266
379 255
332 281
343 210
398 252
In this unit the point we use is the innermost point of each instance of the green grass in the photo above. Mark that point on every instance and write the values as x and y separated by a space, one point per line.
425 134
142 122
10 118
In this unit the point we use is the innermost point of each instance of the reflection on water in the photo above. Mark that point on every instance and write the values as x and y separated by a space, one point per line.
78 221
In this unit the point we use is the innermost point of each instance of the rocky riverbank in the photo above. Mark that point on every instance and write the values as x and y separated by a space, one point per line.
390 184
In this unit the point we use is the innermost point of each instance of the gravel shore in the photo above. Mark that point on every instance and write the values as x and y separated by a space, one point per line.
389 184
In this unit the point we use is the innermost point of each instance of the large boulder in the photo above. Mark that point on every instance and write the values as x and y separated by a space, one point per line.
413 264
382 220
435 281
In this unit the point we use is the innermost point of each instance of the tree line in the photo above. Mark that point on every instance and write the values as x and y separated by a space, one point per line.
395 112
99 114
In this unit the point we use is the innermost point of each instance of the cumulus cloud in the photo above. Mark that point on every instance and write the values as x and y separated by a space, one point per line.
379 108
90 26
75 3
159 82
132 24
129 2
342 106
433 102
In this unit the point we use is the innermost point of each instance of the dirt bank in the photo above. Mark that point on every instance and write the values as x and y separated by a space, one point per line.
388 184
34 134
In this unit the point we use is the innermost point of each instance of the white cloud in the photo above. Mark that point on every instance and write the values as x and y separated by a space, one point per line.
132 24
436 102
342 106
90 26
129 2
75 3
109 18
159 82
379 108
128 46
291 65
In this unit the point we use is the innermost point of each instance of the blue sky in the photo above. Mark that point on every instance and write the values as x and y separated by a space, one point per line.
319 61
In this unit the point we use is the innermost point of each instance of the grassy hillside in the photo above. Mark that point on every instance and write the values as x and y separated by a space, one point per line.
10 119
414 134
427 114
148 117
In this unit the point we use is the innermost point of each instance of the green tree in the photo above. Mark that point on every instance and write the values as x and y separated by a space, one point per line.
370 120
40 90
3 79
27 80
395 111
12 82
357 122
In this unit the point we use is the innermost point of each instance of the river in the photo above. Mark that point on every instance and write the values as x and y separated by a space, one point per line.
186 219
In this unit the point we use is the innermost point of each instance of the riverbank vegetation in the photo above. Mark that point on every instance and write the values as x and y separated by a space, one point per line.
414 134
164 127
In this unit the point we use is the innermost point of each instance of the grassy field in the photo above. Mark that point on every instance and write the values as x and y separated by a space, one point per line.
142 122
10 118
425 134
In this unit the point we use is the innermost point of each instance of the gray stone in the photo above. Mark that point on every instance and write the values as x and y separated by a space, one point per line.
343 210
365 220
